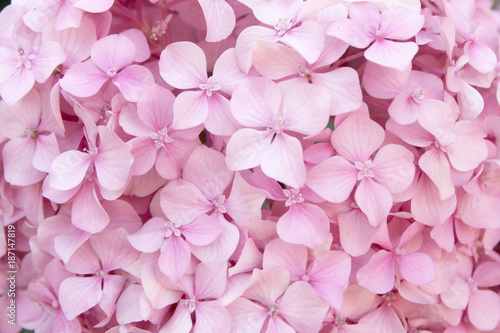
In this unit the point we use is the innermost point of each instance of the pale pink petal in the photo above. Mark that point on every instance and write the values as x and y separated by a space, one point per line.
344 88
111 289
184 203
266 286
83 79
246 147
277 325
481 57
17 86
150 237
113 249
276 61
436 166
283 161
299 296
357 138
183 65
83 261
174 258
50 55
142 52
128 308
67 243
179 322
469 149
306 109
457 295
383 82
393 167
304 224
329 276
158 295
113 52
171 160
256 102
391 54
484 309
378 274
78 294
250 259
132 81
245 201
269 13
144 152
94 6
335 172
293 257
17 159
46 151
220 19
68 170
307 39
470 101
403 109
68 17
246 316
352 32
220 120
202 231
132 124
227 73
437 117
384 319
190 109
374 200
246 42
417 268
210 280
400 23
212 317
87 213
356 233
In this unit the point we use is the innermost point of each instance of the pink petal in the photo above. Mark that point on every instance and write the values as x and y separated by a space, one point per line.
400 23
83 79
174 258
283 161
290 256
212 317
94 6
352 32
307 39
132 124
142 52
417 268
113 249
391 54
487 274
210 280
220 120
277 325
266 286
470 101
155 107
17 158
171 160
245 201
50 55
384 319
183 65
469 149
158 295
144 152
329 276
256 102
202 231
383 82
220 19
304 224
403 109
78 294
250 259
438 118
436 166
68 170
87 213
246 316
113 52
246 42
481 57
393 167
357 138
335 172
112 287
356 233
299 296
227 72
184 203
83 261
17 86
378 274
46 151
374 200
484 309
246 147
150 237
276 61
132 81
190 109
312 119
179 322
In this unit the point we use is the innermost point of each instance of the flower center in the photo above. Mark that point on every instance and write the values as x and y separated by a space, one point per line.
161 138
55 304
31 132
283 25
365 169
440 146
418 95
210 85
172 228
294 196
276 125
219 204
472 285
191 304
389 297
272 310
91 151
339 322
305 278
23 59
111 72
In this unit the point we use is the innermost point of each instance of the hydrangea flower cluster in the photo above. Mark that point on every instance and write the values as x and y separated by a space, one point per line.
250 166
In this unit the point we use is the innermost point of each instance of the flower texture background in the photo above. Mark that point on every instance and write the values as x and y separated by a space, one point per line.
246 166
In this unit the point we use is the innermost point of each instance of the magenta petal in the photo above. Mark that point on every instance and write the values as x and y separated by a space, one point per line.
378 274
87 213
374 200
83 79
299 296
283 161
132 81
150 237
174 258
304 224
202 231
78 294
220 19
417 268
